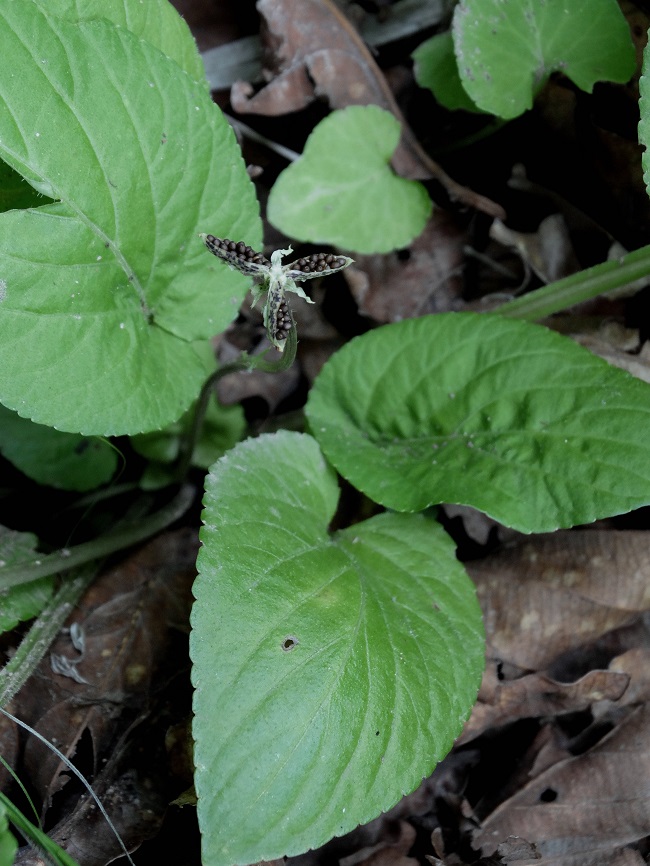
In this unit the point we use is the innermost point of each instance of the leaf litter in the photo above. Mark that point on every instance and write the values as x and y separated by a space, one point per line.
552 766
114 712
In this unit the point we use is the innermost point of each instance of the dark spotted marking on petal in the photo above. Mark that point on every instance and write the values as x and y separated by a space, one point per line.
238 254
278 316
283 322
275 278
316 265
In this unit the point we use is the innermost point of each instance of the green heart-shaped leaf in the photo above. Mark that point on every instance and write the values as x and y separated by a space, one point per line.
506 49
107 294
332 672
503 415
436 68
342 190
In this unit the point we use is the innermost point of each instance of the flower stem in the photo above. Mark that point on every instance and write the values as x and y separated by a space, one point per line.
243 363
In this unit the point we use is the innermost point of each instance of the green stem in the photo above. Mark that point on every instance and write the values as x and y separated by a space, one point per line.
579 287
127 536
491 128
40 636
243 363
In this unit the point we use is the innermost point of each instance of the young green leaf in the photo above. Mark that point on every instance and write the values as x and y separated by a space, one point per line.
644 122
324 665
20 603
507 49
342 191
436 68
65 460
505 416
106 293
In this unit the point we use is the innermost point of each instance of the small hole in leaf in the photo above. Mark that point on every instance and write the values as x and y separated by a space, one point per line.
290 642
376 733
548 795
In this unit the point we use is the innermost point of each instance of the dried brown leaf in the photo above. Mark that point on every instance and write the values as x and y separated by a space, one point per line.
126 618
585 806
635 664
544 596
390 288
314 51
535 695
398 839
637 365
515 850
548 251
136 808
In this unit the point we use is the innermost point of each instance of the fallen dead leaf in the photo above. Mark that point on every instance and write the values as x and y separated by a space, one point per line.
426 278
584 808
136 807
503 702
391 851
516 850
313 51
550 594
548 251
126 617
635 664
637 365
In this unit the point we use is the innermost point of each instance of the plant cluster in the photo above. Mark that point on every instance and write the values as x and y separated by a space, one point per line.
325 663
